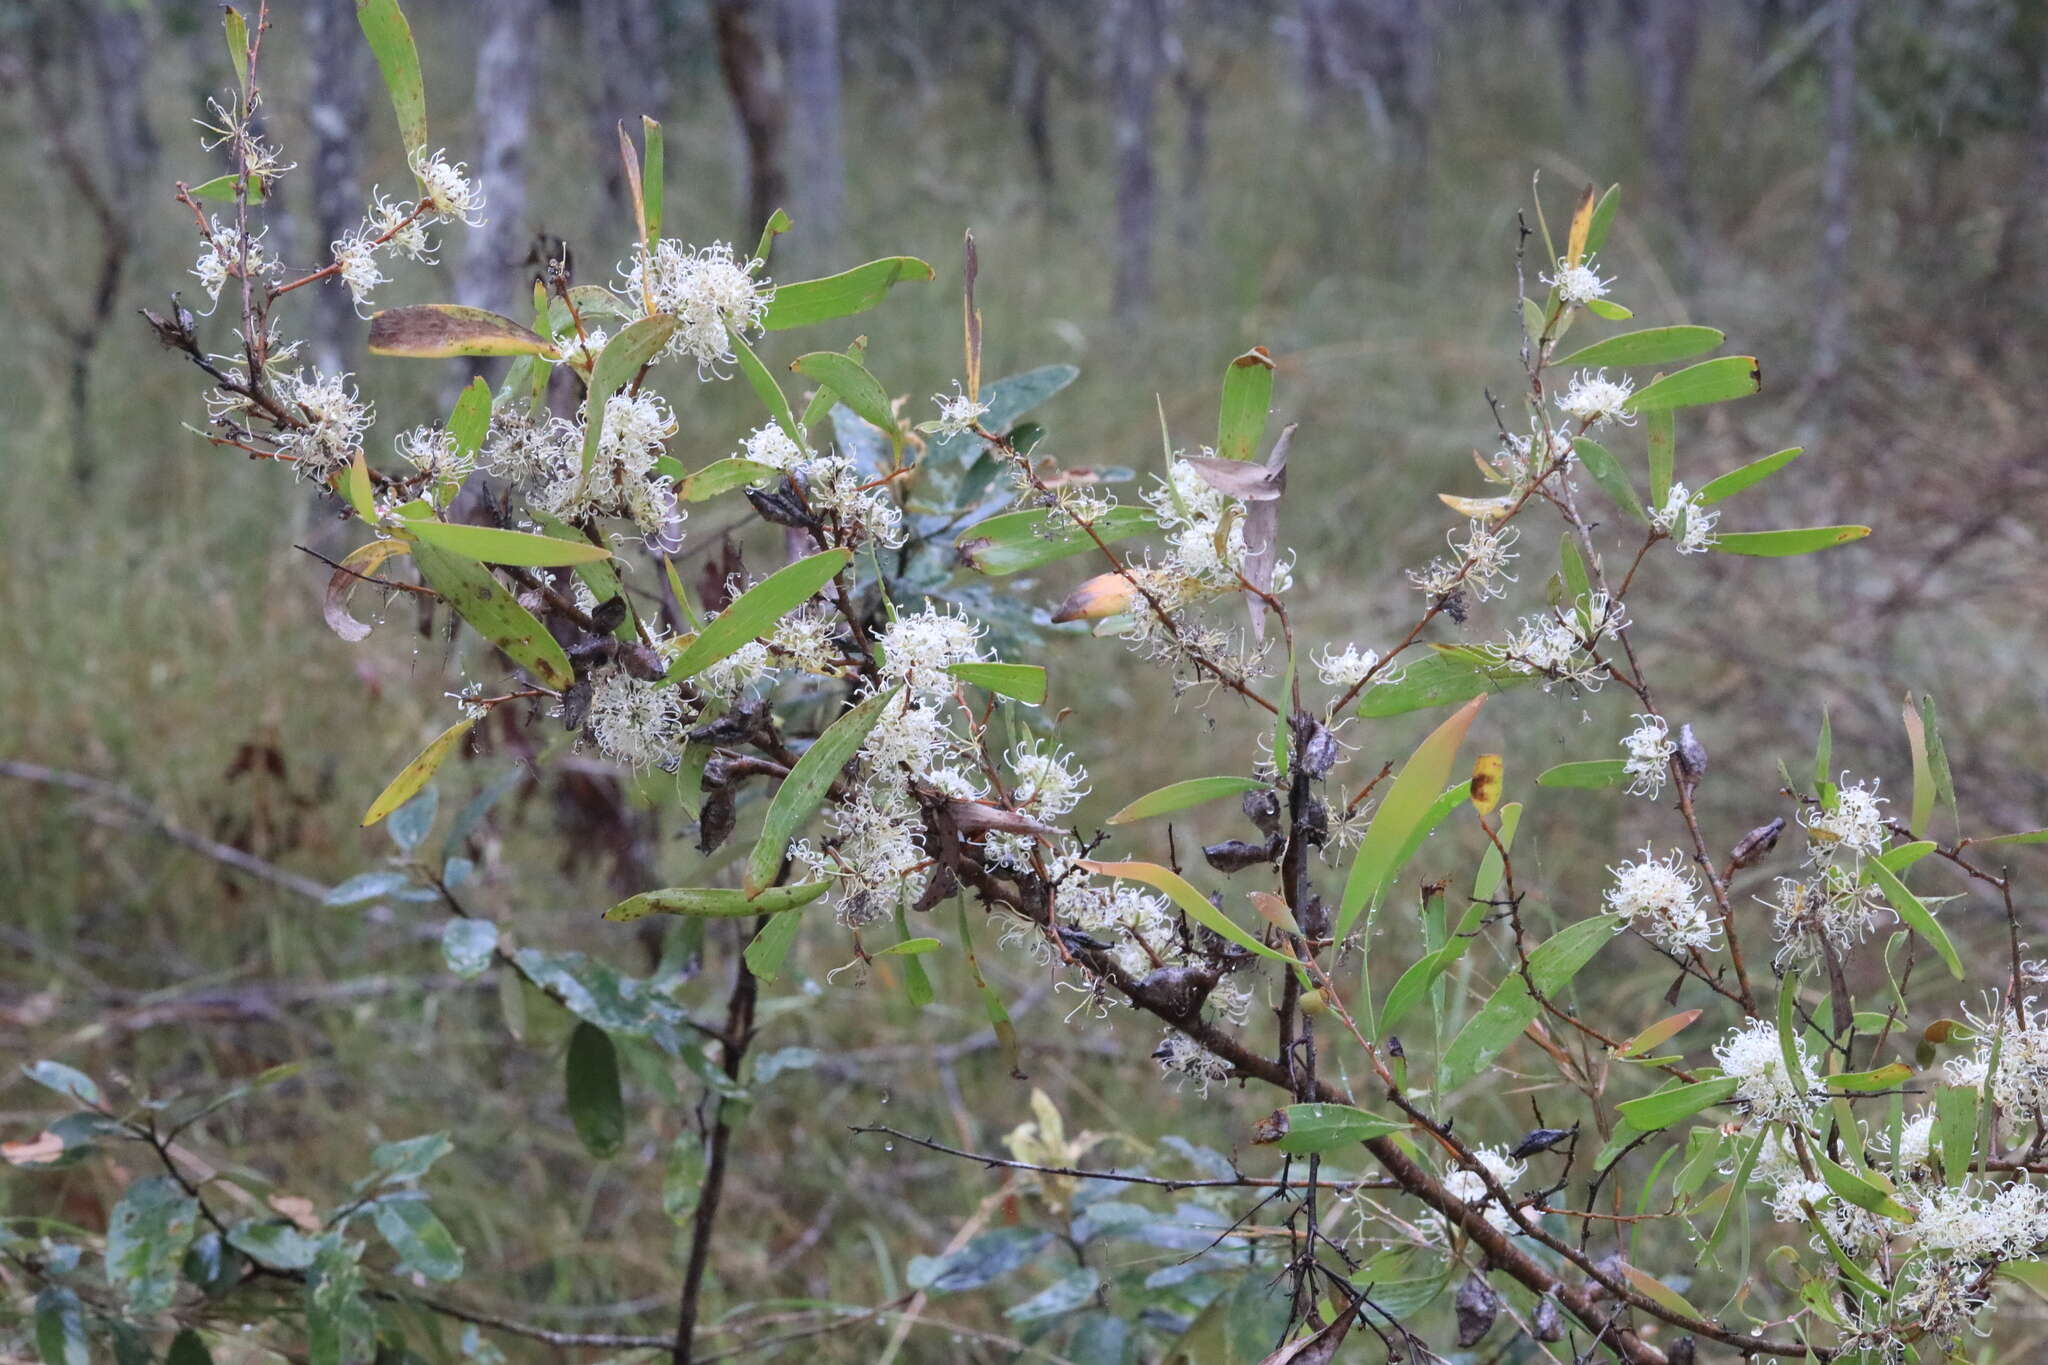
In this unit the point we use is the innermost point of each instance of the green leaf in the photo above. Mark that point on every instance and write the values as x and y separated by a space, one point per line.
420 1239
1247 399
722 476
2031 836
339 1326
636 345
848 378
1823 751
60 1328
777 224
391 43
765 388
1923 771
222 187
1512 1008
494 613
496 545
1572 568
1192 903
1776 544
715 902
467 946
66 1081
1660 432
806 785
1710 381
987 1258
1603 219
1401 810
1026 540
146 1239
1606 308
1668 1106
650 177
1937 760
187 1349
1591 775
755 612
595 1105
1903 856
1955 1129
1024 682
434 331
1064 1295
765 953
1755 472
1916 916
1651 346
1180 795
406 1160
682 1181
838 296
412 822
1452 673
1864 1194
235 29
1866 1082
415 774
910 947
1316 1128
1607 472
273 1243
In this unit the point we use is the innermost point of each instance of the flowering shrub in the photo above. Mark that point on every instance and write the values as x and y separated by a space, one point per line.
869 699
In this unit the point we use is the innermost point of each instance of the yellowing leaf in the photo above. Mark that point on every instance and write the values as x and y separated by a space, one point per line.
436 330
1486 777
1404 807
415 774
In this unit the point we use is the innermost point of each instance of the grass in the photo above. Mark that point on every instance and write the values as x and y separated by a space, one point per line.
161 632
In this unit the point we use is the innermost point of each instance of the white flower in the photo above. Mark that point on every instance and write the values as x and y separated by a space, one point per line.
1650 748
1347 669
1181 1056
1048 782
1916 1142
708 291
958 414
1696 533
908 737
2019 1087
1753 1056
1969 1225
1479 566
738 673
222 259
1577 283
357 257
835 490
446 189
1832 908
637 723
1660 899
335 419
875 850
388 218
807 640
581 352
917 648
527 451
1470 1187
1594 400
770 445
432 451
1854 825
622 480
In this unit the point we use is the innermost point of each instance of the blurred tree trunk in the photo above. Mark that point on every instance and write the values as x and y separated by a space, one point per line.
809 33
1837 195
1194 84
2022 252
1136 41
1031 95
1574 33
623 44
1667 39
753 77
334 114
507 73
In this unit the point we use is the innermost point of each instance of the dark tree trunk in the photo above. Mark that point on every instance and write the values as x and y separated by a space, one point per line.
809 31
1837 195
1667 43
507 72
623 41
753 77
1135 58
1031 93
1574 32
334 112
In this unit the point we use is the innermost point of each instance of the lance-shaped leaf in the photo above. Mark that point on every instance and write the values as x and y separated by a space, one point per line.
420 1239
1861 1190
848 378
1591 775
764 386
838 296
222 187
1026 540
1657 1034
1512 1008
496 545
1310 1129
768 948
1660 435
1923 770
438 330
1668 1106
650 177
1247 398
1192 903
1024 682
1607 472
722 476
591 1073
755 612
1452 673
1710 381
1181 795
1778 544
1651 346
415 774
492 611
1756 471
806 786
617 364
715 902
1916 916
390 38
1402 810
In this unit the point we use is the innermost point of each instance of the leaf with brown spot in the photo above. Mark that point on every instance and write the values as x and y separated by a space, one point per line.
1485 787
436 330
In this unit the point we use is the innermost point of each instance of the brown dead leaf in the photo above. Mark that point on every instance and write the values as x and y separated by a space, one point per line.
40 1150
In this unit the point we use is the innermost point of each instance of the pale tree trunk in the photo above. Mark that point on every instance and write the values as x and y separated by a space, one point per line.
335 113
753 77
809 32
1135 58
623 42
1667 44
1837 195
507 73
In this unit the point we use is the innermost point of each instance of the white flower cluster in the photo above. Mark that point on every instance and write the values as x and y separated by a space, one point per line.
544 458
1350 668
1650 748
1753 1055
958 414
1577 284
712 294
1523 460
638 723
1187 1060
1207 551
1686 520
2019 1086
1593 400
1832 903
1660 899
222 259
334 419
446 191
1849 828
1479 566
1470 1187
831 485
1559 645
